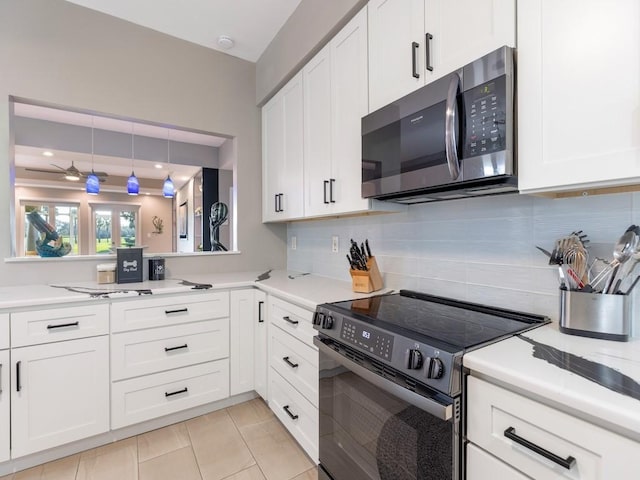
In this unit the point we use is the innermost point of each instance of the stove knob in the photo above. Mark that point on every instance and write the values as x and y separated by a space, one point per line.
317 318
327 322
435 368
414 359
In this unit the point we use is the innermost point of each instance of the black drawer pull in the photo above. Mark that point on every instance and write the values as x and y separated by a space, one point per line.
260 318
18 384
286 409
288 362
63 325
177 392
414 59
567 463
171 349
287 319
179 310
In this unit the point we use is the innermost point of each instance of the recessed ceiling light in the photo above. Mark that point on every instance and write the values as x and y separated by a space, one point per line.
157 165
225 42
47 153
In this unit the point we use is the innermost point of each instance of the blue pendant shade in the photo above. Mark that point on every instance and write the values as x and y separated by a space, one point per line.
93 184
133 186
167 188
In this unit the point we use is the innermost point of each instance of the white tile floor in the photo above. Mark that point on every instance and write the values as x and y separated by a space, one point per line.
243 442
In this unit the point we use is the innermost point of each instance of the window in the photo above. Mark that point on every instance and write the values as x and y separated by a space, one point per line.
63 217
114 226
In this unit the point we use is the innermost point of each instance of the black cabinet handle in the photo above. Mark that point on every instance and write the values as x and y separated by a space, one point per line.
324 191
331 182
286 409
567 463
414 59
177 392
63 325
179 310
275 198
279 207
427 41
260 319
179 347
18 384
288 362
287 319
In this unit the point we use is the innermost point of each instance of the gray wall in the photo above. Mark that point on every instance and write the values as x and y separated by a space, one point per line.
309 27
60 53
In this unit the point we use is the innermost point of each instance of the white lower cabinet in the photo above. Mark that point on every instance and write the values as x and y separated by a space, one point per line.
143 398
540 441
4 405
293 372
243 317
60 393
260 343
481 465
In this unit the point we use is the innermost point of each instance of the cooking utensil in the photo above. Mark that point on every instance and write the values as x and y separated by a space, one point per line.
632 285
366 244
621 253
546 252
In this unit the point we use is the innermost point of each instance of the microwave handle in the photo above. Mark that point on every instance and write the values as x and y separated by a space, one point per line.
450 141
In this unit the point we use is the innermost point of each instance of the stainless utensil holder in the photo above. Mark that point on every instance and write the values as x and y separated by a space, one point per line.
596 315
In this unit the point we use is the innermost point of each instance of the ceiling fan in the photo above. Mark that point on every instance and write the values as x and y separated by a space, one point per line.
71 173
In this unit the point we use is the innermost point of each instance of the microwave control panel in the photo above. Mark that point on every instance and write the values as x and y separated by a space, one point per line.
485 112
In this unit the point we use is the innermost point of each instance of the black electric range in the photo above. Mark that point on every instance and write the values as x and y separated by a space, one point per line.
420 335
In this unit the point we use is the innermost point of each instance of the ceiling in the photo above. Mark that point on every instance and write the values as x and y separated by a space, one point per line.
252 24
117 168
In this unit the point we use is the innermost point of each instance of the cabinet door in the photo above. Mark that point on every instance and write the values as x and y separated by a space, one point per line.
241 355
4 406
465 30
317 133
60 393
349 103
577 127
394 27
272 155
260 341
291 204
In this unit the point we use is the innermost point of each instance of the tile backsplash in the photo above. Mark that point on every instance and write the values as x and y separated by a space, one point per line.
481 250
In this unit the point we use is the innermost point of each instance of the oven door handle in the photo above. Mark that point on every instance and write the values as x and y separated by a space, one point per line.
433 407
450 141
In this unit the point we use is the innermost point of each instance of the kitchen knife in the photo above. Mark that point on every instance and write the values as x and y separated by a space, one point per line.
366 244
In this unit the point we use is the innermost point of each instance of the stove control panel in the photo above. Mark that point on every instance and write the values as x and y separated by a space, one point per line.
374 341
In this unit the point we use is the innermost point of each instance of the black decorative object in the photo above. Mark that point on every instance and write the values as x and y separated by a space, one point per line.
129 265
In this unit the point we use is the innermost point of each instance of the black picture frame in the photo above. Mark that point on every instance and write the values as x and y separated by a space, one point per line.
183 212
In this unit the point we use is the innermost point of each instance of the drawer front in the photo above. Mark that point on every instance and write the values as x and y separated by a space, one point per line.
482 466
142 352
57 324
292 319
296 362
163 311
598 453
145 398
4 330
295 412
5 394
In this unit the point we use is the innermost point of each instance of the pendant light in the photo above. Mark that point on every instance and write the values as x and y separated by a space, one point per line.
167 187
93 182
133 186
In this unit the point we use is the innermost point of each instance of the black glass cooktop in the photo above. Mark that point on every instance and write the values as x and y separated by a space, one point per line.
453 322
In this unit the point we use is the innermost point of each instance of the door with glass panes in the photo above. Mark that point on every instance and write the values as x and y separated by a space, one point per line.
114 226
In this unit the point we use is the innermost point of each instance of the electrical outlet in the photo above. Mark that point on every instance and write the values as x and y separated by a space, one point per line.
334 244
294 242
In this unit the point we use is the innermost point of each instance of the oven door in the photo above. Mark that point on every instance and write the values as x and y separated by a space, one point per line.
371 428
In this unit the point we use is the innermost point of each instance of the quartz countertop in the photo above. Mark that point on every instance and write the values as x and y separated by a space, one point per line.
297 287
596 380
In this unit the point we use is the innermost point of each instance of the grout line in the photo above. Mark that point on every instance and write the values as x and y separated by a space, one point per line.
192 449
245 441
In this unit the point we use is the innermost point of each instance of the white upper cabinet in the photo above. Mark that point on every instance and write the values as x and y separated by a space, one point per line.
335 100
578 94
413 42
396 35
282 153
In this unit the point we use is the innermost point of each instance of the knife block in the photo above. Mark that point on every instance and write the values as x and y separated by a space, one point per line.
366 281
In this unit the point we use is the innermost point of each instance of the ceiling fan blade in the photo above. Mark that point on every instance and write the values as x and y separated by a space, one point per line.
42 170
98 174
58 167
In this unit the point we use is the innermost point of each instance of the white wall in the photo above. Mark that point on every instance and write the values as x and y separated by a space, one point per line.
482 250
60 53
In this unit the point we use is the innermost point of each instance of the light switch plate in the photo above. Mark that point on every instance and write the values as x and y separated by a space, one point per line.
294 242
334 244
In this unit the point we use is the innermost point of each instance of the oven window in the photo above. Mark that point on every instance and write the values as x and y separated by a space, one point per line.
367 433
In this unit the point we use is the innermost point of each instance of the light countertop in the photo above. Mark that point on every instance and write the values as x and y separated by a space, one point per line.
575 374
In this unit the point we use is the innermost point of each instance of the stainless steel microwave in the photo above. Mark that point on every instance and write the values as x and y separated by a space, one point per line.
452 138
